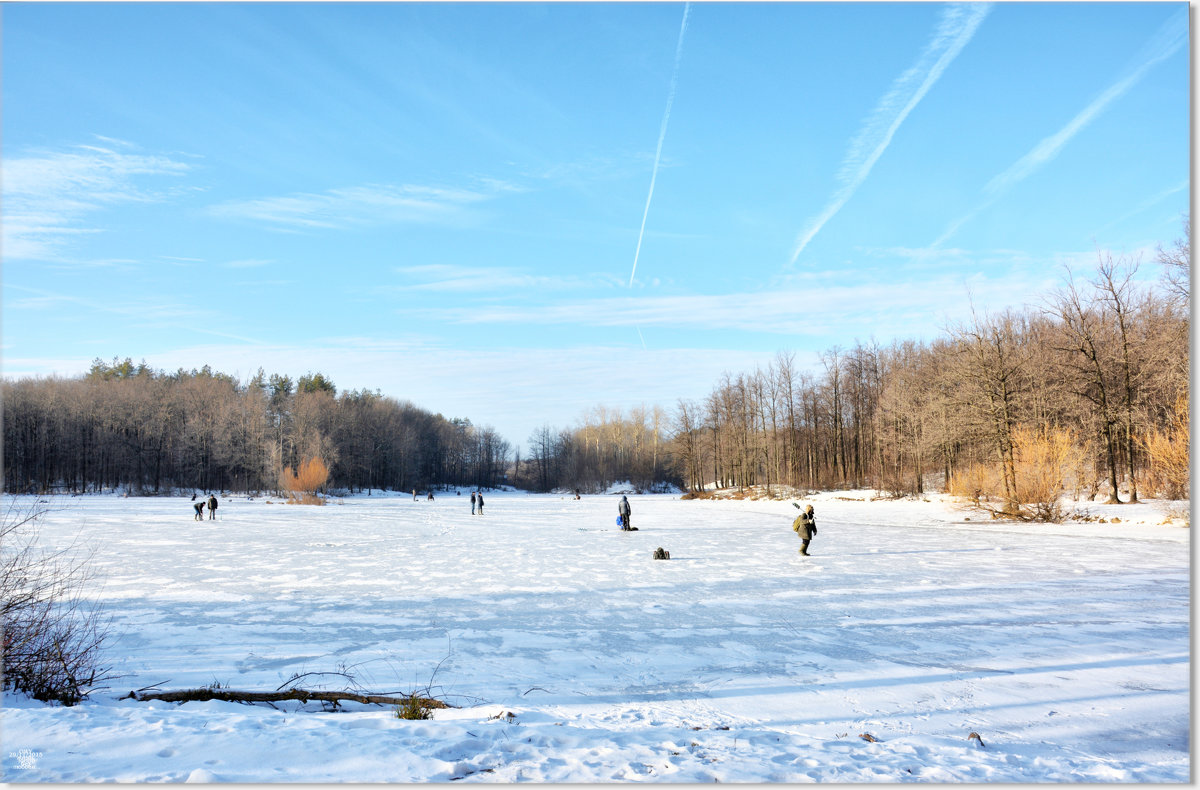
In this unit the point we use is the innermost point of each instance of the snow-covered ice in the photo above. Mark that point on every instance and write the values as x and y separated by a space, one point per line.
573 656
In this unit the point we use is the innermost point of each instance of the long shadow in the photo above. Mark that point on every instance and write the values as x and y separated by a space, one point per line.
914 551
755 691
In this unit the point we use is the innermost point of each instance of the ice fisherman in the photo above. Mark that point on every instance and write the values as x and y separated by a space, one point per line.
212 506
199 508
624 511
805 526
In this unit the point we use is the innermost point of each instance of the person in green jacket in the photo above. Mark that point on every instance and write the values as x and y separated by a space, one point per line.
805 526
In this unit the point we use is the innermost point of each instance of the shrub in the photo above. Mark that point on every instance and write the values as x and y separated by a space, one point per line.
53 634
305 485
1169 473
413 710
1045 459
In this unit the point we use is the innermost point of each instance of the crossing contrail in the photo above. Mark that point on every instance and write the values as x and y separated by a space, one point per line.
1172 36
662 133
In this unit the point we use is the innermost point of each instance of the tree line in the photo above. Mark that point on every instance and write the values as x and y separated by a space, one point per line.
128 427
1087 390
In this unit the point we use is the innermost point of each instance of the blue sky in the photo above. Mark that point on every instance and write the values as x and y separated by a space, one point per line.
445 201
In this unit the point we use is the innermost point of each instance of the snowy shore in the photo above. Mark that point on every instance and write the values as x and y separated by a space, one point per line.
573 656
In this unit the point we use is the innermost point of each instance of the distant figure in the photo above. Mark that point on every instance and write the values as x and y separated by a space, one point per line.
414 495
199 508
624 511
805 526
212 506
472 503
193 496
577 493
429 498
479 501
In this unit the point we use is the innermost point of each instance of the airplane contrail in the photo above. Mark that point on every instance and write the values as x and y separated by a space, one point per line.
956 28
662 133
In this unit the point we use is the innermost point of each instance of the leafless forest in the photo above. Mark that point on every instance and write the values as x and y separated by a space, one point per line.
127 427
1084 392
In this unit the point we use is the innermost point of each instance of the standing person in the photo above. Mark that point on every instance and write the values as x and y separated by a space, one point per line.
480 503
624 511
472 503
199 508
212 506
805 526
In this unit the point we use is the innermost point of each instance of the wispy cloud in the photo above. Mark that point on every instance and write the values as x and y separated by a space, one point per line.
463 279
364 205
880 306
955 29
140 313
49 196
1165 43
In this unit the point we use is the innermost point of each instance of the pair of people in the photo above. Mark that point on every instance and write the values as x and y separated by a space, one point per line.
476 502
212 507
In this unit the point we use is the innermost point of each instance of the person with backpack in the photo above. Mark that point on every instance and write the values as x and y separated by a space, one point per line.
805 526
624 510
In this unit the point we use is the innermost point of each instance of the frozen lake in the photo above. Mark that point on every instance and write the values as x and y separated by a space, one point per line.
1065 647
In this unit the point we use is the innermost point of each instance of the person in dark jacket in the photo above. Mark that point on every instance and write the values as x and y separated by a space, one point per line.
479 502
472 503
805 526
212 506
199 508
624 511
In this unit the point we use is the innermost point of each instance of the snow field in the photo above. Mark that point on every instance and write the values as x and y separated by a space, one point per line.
1065 647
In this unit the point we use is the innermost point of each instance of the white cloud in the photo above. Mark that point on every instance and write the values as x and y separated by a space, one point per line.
364 205
49 195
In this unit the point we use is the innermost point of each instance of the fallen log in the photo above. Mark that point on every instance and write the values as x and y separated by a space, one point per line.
301 695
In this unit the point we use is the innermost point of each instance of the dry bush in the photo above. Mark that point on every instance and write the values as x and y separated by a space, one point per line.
1045 460
976 483
304 486
53 634
1170 474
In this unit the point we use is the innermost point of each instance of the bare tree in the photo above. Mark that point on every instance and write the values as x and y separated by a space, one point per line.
1177 265
992 372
